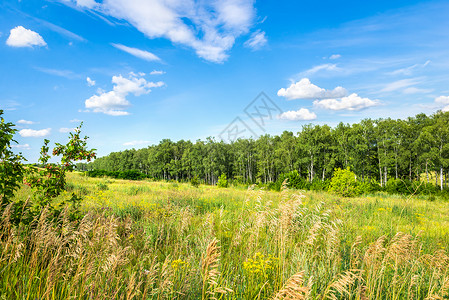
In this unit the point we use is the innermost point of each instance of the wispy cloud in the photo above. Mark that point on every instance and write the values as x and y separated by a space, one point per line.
400 84
61 73
136 143
25 122
142 54
409 70
210 28
24 146
335 56
257 40
66 130
157 72
326 68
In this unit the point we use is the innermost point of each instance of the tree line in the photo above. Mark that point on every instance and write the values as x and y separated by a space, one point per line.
415 148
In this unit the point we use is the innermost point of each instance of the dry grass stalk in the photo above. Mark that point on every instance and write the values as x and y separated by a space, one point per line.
343 285
210 272
293 289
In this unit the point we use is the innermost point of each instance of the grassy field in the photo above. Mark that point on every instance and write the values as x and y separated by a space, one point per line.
157 240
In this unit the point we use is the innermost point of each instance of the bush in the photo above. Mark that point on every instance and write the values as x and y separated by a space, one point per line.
195 181
344 183
222 181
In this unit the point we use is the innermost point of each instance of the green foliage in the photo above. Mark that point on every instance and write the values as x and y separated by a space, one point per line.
222 181
195 181
49 181
344 183
46 182
128 174
11 167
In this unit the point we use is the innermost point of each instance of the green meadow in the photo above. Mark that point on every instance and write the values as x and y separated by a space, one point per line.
167 240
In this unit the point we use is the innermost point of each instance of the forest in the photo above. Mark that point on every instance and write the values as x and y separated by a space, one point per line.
375 150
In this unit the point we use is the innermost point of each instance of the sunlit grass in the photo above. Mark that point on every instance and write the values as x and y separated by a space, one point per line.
153 240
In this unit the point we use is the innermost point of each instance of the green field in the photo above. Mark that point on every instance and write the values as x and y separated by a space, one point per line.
166 240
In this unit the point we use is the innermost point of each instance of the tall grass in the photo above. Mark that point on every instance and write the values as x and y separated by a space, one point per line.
181 242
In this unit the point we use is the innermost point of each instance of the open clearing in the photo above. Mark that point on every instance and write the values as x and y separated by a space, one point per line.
145 240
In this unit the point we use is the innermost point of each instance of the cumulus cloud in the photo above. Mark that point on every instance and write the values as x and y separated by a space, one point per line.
257 40
75 121
208 27
114 102
90 82
135 143
351 102
24 146
35 133
22 37
443 101
156 72
142 54
302 114
25 122
304 89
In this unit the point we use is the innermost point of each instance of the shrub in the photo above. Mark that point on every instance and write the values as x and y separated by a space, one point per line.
11 167
222 181
344 183
195 181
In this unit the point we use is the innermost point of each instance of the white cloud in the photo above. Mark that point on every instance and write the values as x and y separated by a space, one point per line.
302 114
61 73
25 122
86 3
156 72
22 37
66 130
24 146
319 68
304 89
208 27
409 70
257 40
90 82
335 56
351 102
443 101
145 55
114 102
35 133
75 121
135 143
400 84
414 90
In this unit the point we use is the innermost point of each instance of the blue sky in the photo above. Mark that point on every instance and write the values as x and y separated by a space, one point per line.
136 72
